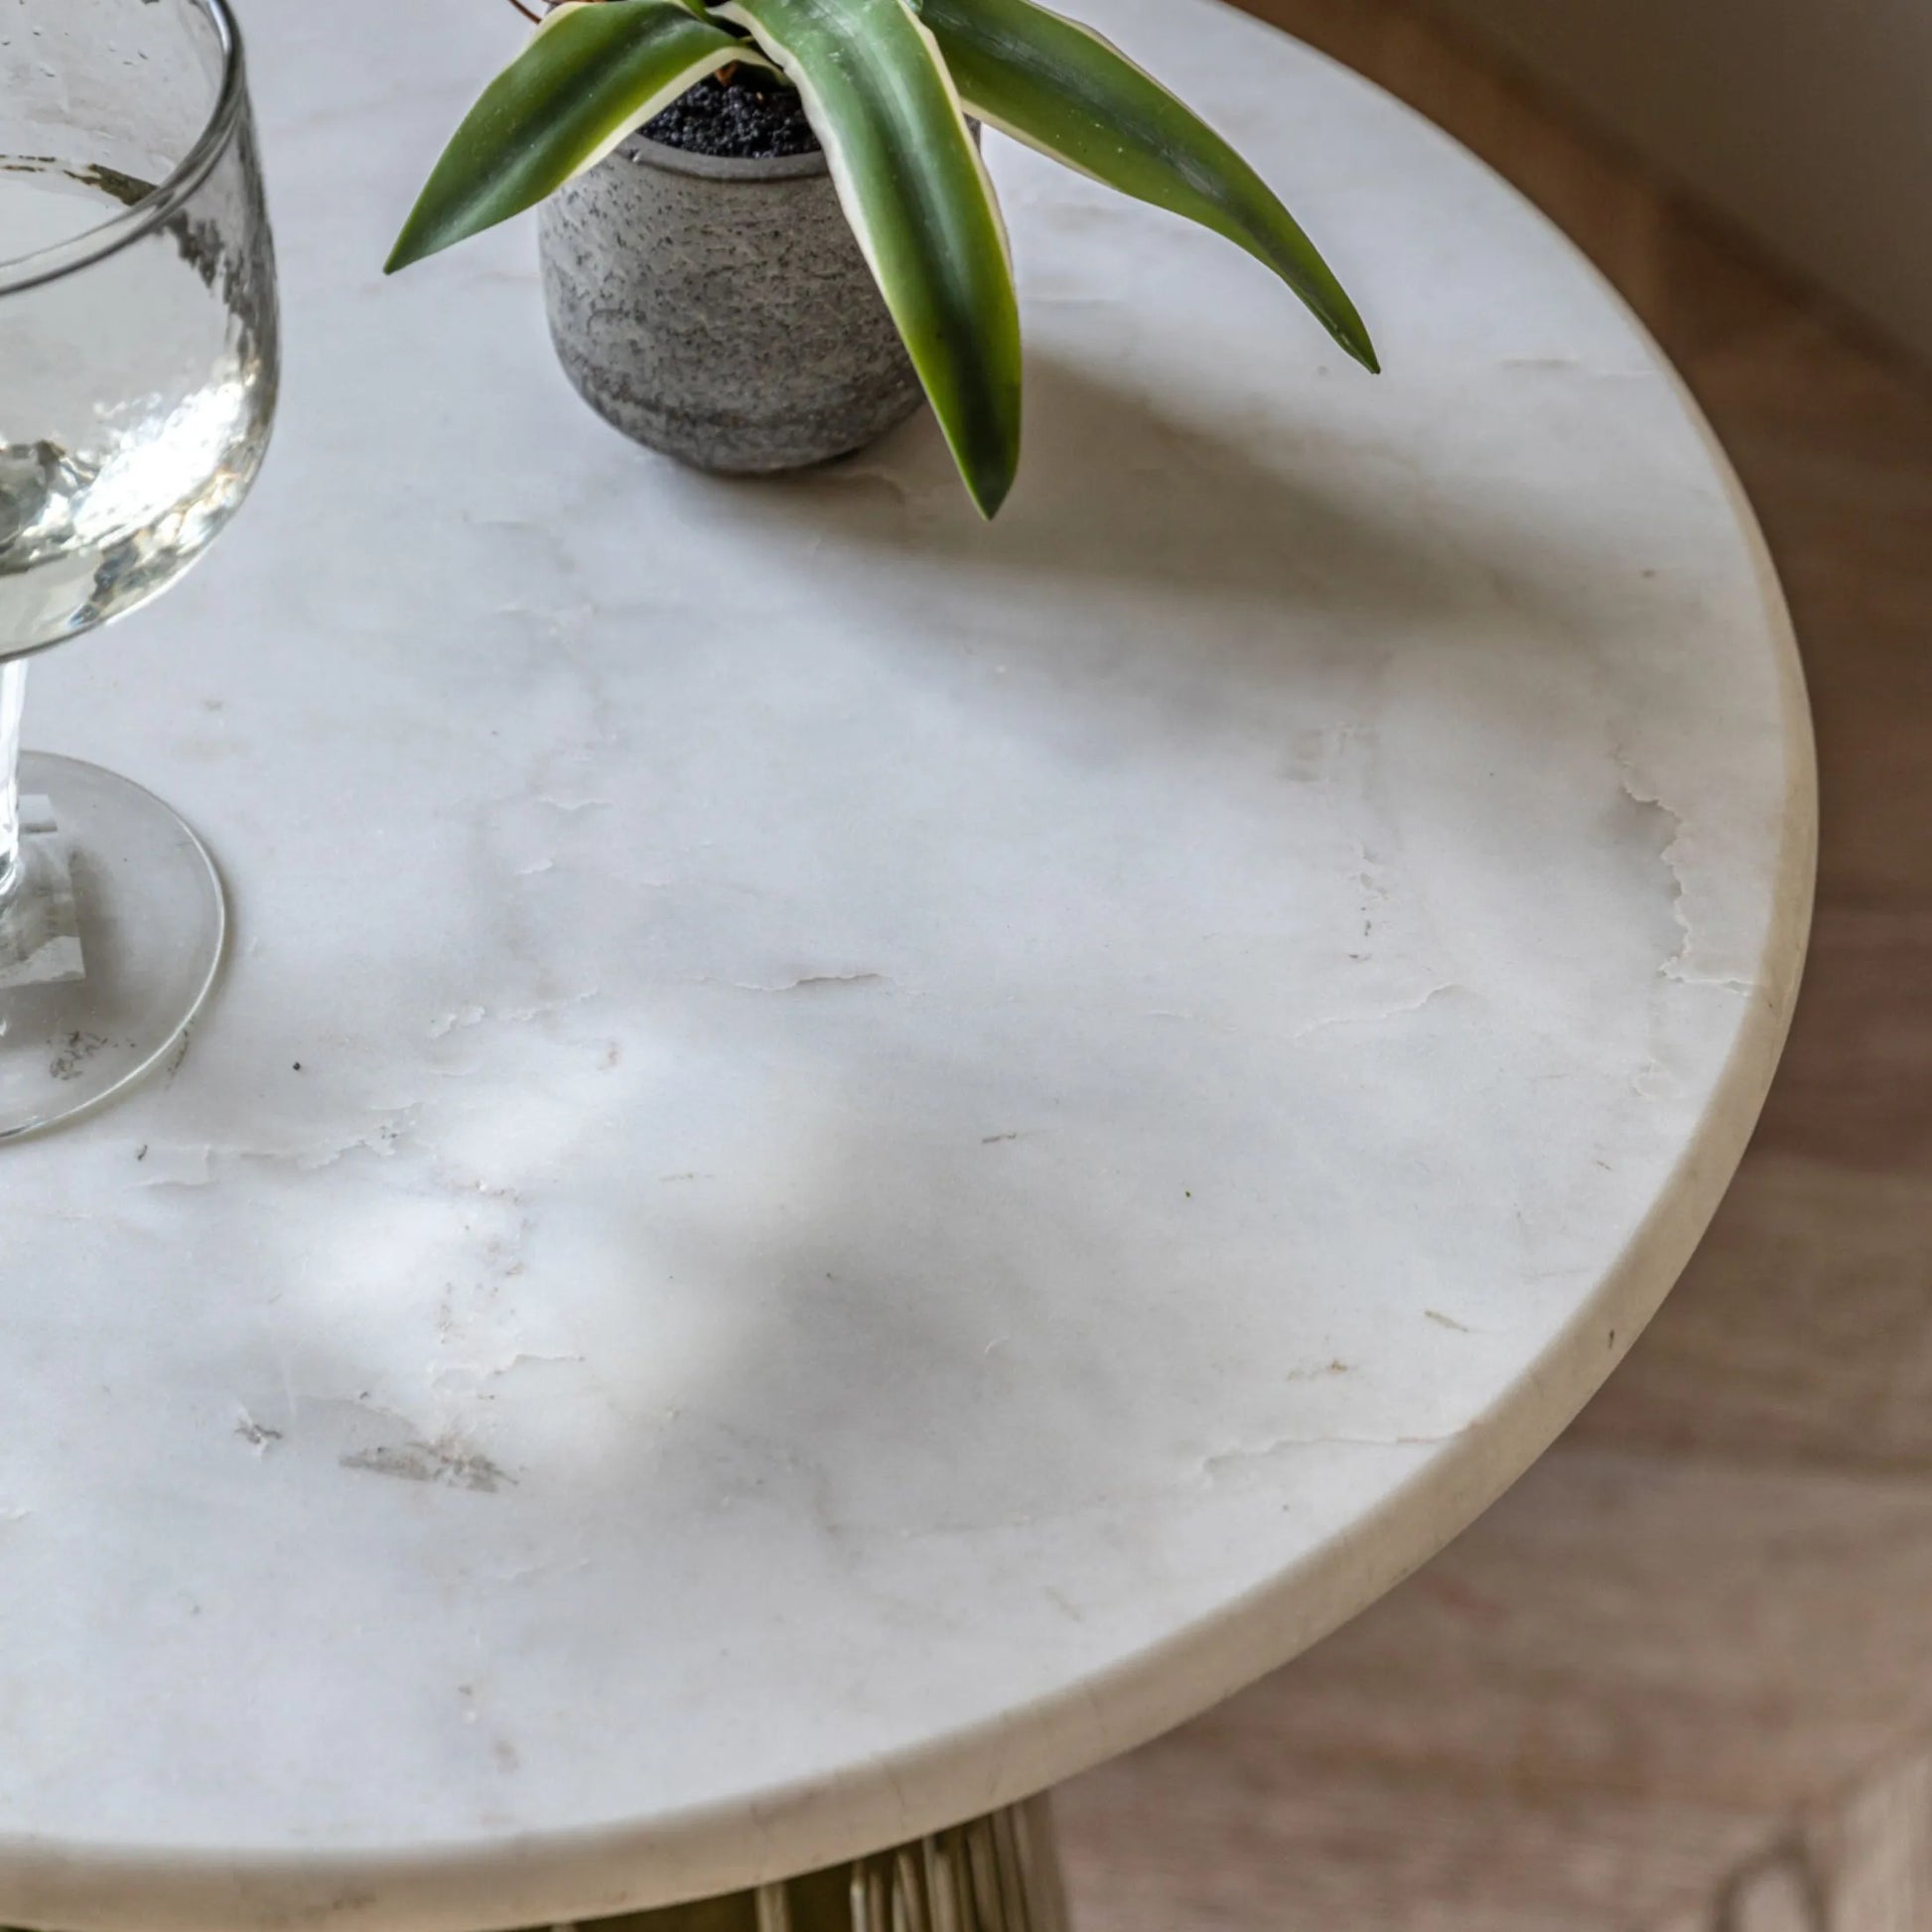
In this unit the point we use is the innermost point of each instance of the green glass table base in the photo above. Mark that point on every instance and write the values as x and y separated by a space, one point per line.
999 1874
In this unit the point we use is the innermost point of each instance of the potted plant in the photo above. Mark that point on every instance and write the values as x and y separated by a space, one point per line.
769 309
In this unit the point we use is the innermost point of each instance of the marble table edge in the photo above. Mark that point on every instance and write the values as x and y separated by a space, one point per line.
612 1868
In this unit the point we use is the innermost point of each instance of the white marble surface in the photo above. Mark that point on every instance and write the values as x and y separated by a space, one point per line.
848 1162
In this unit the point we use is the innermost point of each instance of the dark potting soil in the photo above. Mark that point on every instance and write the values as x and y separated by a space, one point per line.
743 118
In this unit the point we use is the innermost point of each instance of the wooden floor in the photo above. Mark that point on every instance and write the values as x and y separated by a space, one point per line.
1680 1680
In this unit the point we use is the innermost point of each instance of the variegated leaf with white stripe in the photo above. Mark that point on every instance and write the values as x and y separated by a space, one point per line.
592 75
916 192
1062 88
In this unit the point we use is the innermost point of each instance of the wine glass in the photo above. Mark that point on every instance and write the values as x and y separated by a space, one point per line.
138 367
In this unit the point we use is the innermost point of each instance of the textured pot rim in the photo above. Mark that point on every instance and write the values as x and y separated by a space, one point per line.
642 149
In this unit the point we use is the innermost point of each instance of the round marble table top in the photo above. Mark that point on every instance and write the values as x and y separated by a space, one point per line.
849 1161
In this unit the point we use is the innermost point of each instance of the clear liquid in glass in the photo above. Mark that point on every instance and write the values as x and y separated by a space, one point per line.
119 467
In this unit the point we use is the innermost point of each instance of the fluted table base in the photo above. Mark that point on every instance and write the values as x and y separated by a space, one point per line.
999 1873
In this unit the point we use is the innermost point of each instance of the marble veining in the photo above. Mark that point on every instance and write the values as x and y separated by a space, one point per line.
847 1160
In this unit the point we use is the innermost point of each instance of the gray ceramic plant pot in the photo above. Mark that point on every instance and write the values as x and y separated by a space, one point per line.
720 310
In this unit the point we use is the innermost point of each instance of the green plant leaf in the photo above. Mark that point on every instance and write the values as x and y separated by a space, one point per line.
1059 88
591 75
916 192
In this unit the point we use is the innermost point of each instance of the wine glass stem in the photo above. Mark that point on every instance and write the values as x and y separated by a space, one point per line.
13 696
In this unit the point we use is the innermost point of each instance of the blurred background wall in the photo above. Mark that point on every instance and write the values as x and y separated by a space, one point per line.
1807 121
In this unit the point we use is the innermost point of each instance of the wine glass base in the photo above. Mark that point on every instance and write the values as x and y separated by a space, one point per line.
152 923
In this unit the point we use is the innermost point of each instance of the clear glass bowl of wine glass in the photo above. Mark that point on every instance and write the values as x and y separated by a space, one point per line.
139 354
